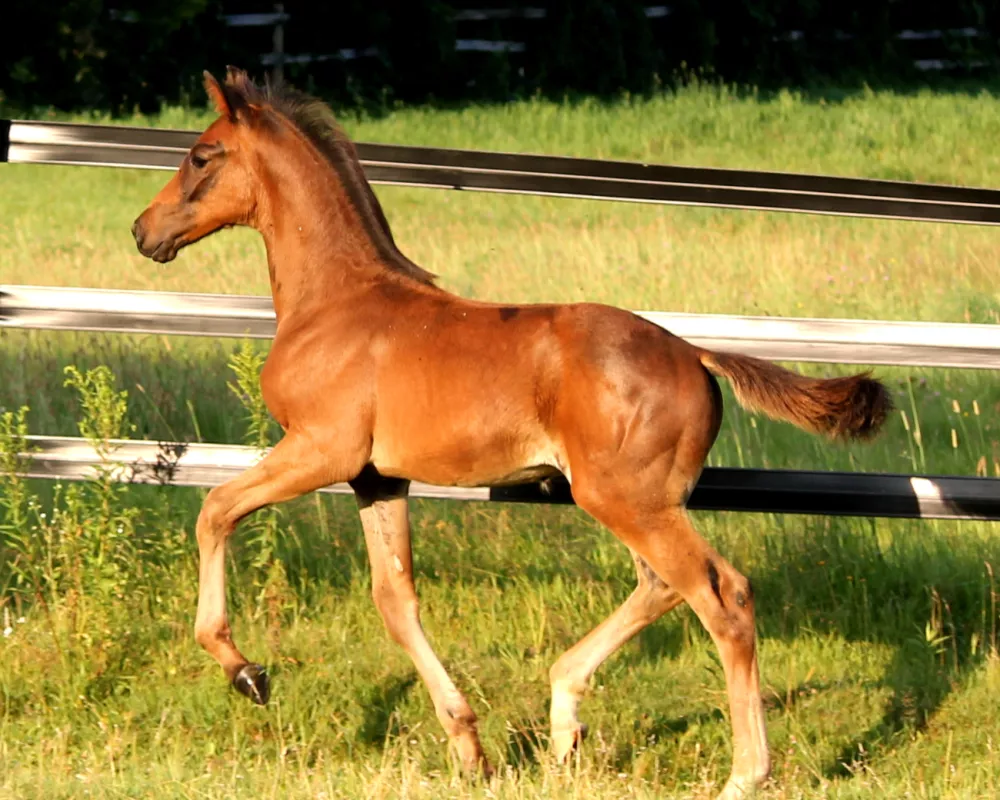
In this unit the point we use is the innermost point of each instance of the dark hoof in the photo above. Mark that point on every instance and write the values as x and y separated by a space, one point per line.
252 682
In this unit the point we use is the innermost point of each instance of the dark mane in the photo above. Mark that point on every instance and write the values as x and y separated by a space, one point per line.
316 122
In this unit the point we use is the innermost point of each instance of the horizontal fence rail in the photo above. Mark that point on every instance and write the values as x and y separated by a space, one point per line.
117 146
925 344
720 489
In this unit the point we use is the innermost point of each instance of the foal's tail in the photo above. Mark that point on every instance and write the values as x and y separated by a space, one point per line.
842 408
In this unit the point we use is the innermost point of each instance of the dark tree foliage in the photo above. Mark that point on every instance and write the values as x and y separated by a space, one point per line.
74 54
137 54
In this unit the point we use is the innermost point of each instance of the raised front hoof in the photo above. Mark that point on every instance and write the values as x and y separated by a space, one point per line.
252 682
567 741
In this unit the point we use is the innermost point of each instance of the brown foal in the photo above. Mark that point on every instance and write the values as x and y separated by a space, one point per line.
379 377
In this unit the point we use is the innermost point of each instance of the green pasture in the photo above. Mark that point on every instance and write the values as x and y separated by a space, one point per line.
878 638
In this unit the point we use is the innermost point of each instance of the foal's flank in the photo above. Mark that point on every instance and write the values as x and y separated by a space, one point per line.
379 377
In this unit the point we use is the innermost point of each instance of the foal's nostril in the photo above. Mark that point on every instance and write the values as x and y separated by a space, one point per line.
136 230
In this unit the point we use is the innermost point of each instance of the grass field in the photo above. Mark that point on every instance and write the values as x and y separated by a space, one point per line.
878 637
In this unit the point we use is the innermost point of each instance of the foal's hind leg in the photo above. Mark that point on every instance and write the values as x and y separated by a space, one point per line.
384 515
723 600
569 676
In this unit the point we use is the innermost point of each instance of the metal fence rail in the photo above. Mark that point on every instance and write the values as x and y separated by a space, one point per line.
116 146
924 344
775 491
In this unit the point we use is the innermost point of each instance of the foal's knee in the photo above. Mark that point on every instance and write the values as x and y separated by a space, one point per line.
214 517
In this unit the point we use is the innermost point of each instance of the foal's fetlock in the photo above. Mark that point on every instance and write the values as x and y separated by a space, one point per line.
742 785
566 741
741 788
460 723
252 681
567 731
470 754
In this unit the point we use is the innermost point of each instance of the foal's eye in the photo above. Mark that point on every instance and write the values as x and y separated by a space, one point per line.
198 162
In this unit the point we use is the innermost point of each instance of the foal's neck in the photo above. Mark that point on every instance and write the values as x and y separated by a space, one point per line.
320 251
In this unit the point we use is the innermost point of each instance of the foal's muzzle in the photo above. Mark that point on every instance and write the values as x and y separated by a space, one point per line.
160 251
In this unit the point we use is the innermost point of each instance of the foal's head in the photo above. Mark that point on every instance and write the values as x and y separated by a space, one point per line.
266 145
214 186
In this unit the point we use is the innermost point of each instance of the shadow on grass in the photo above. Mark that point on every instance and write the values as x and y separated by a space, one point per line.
526 738
380 709
916 696
922 596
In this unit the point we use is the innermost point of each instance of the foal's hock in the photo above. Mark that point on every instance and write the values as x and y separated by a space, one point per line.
379 377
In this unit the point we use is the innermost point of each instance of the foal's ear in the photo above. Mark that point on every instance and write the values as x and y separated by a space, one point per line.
235 75
217 95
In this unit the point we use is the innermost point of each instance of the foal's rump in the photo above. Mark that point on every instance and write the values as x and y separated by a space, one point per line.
642 366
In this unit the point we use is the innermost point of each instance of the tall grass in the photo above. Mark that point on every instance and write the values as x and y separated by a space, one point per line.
879 637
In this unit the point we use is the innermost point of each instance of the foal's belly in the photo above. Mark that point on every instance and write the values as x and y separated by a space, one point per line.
480 466
536 472
528 474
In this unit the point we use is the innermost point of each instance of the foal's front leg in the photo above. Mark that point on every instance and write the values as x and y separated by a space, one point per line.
385 517
291 469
